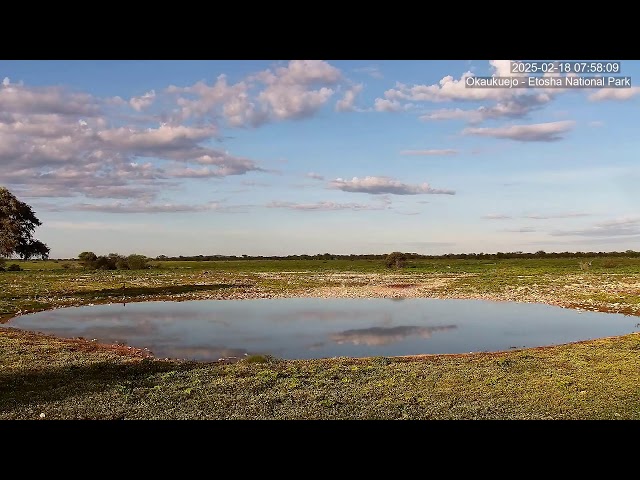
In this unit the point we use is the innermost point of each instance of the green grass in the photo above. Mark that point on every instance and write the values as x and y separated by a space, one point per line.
524 266
61 378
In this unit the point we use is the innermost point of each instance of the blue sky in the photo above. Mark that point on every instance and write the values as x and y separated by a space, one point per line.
303 157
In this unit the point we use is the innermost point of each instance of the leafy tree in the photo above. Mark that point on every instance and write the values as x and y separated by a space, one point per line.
17 224
105 263
137 262
88 259
396 260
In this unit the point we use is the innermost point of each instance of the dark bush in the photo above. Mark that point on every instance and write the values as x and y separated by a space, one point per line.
105 263
137 262
88 259
396 260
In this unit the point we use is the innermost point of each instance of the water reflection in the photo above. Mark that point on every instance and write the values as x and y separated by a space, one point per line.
210 353
317 328
385 335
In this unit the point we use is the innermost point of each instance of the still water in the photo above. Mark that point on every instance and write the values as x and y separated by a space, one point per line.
303 328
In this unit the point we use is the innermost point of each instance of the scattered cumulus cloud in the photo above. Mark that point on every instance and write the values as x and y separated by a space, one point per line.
16 99
384 185
614 94
509 103
385 105
143 102
57 143
517 107
347 102
539 132
296 91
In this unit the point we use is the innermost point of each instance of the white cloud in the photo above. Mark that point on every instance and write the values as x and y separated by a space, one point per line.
346 103
496 216
155 138
18 99
383 185
6 82
614 94
143 102
225 165
315 176
539 132
303 72
293 101
509 103
296 91
517 107
432 152
59 143
384 105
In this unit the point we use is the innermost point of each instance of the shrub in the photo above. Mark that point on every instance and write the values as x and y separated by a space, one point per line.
396 260
137 262
14 267
258 359
105 263
88 259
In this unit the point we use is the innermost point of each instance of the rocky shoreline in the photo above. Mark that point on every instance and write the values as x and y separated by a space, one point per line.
567 291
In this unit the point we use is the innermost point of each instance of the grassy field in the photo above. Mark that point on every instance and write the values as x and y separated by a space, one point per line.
48 377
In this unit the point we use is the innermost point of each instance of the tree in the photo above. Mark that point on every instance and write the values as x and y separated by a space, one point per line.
88 259
105 263
396 260
137 262
17 224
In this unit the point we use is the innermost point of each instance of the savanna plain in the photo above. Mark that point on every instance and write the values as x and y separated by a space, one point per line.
45 377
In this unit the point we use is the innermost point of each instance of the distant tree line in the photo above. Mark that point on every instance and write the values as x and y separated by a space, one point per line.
406 256
113 261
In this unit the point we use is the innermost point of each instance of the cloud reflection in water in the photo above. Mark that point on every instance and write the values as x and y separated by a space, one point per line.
385 335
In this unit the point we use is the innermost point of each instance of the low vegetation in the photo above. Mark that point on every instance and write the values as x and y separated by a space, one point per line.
48 377
113 261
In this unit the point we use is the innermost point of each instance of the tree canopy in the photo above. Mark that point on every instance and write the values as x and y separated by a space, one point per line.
17 224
